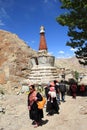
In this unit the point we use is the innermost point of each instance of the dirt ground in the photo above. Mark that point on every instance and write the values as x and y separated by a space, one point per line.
72 114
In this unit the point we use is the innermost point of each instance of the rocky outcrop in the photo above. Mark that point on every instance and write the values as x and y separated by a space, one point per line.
15 62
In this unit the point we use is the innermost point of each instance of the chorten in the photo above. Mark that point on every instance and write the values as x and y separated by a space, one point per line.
42 45
43 69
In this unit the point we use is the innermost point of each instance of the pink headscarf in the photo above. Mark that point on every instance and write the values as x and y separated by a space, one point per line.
52 84
32 97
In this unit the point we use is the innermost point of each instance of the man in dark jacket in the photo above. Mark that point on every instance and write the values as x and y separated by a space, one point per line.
62 90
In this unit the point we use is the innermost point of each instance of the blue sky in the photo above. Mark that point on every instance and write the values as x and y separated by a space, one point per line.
24 18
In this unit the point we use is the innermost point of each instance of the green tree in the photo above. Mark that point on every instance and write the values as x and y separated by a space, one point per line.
76 75
75 18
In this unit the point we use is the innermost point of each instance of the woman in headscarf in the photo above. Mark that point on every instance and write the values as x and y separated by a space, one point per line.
35 114
52 105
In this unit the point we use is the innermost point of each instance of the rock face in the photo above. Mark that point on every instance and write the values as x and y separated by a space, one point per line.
15 62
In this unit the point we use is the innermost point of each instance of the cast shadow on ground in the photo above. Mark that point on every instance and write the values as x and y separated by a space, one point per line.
43 122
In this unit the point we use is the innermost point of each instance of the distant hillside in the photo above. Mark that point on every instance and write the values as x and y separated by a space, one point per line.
70 63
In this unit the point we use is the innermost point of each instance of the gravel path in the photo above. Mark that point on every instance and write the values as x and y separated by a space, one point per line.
73 114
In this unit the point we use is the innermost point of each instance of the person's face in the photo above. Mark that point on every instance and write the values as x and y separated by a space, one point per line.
31 89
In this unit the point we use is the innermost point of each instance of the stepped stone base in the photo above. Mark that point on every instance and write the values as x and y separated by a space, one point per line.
43 74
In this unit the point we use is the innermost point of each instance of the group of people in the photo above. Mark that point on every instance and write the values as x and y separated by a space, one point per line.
54 92
77 89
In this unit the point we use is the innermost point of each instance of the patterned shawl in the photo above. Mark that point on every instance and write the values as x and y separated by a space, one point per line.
32 97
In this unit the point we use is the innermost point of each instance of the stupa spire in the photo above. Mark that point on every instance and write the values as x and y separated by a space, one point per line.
42 45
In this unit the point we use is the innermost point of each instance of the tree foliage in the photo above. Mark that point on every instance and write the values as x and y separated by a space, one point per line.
75 18
76 75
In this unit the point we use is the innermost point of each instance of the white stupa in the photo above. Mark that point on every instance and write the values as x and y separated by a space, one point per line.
43 69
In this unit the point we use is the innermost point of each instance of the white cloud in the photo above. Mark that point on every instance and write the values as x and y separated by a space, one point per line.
28 42
64 56
55 0
3 13
72 49
1 23
6 3
45 1
32 41
61 52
